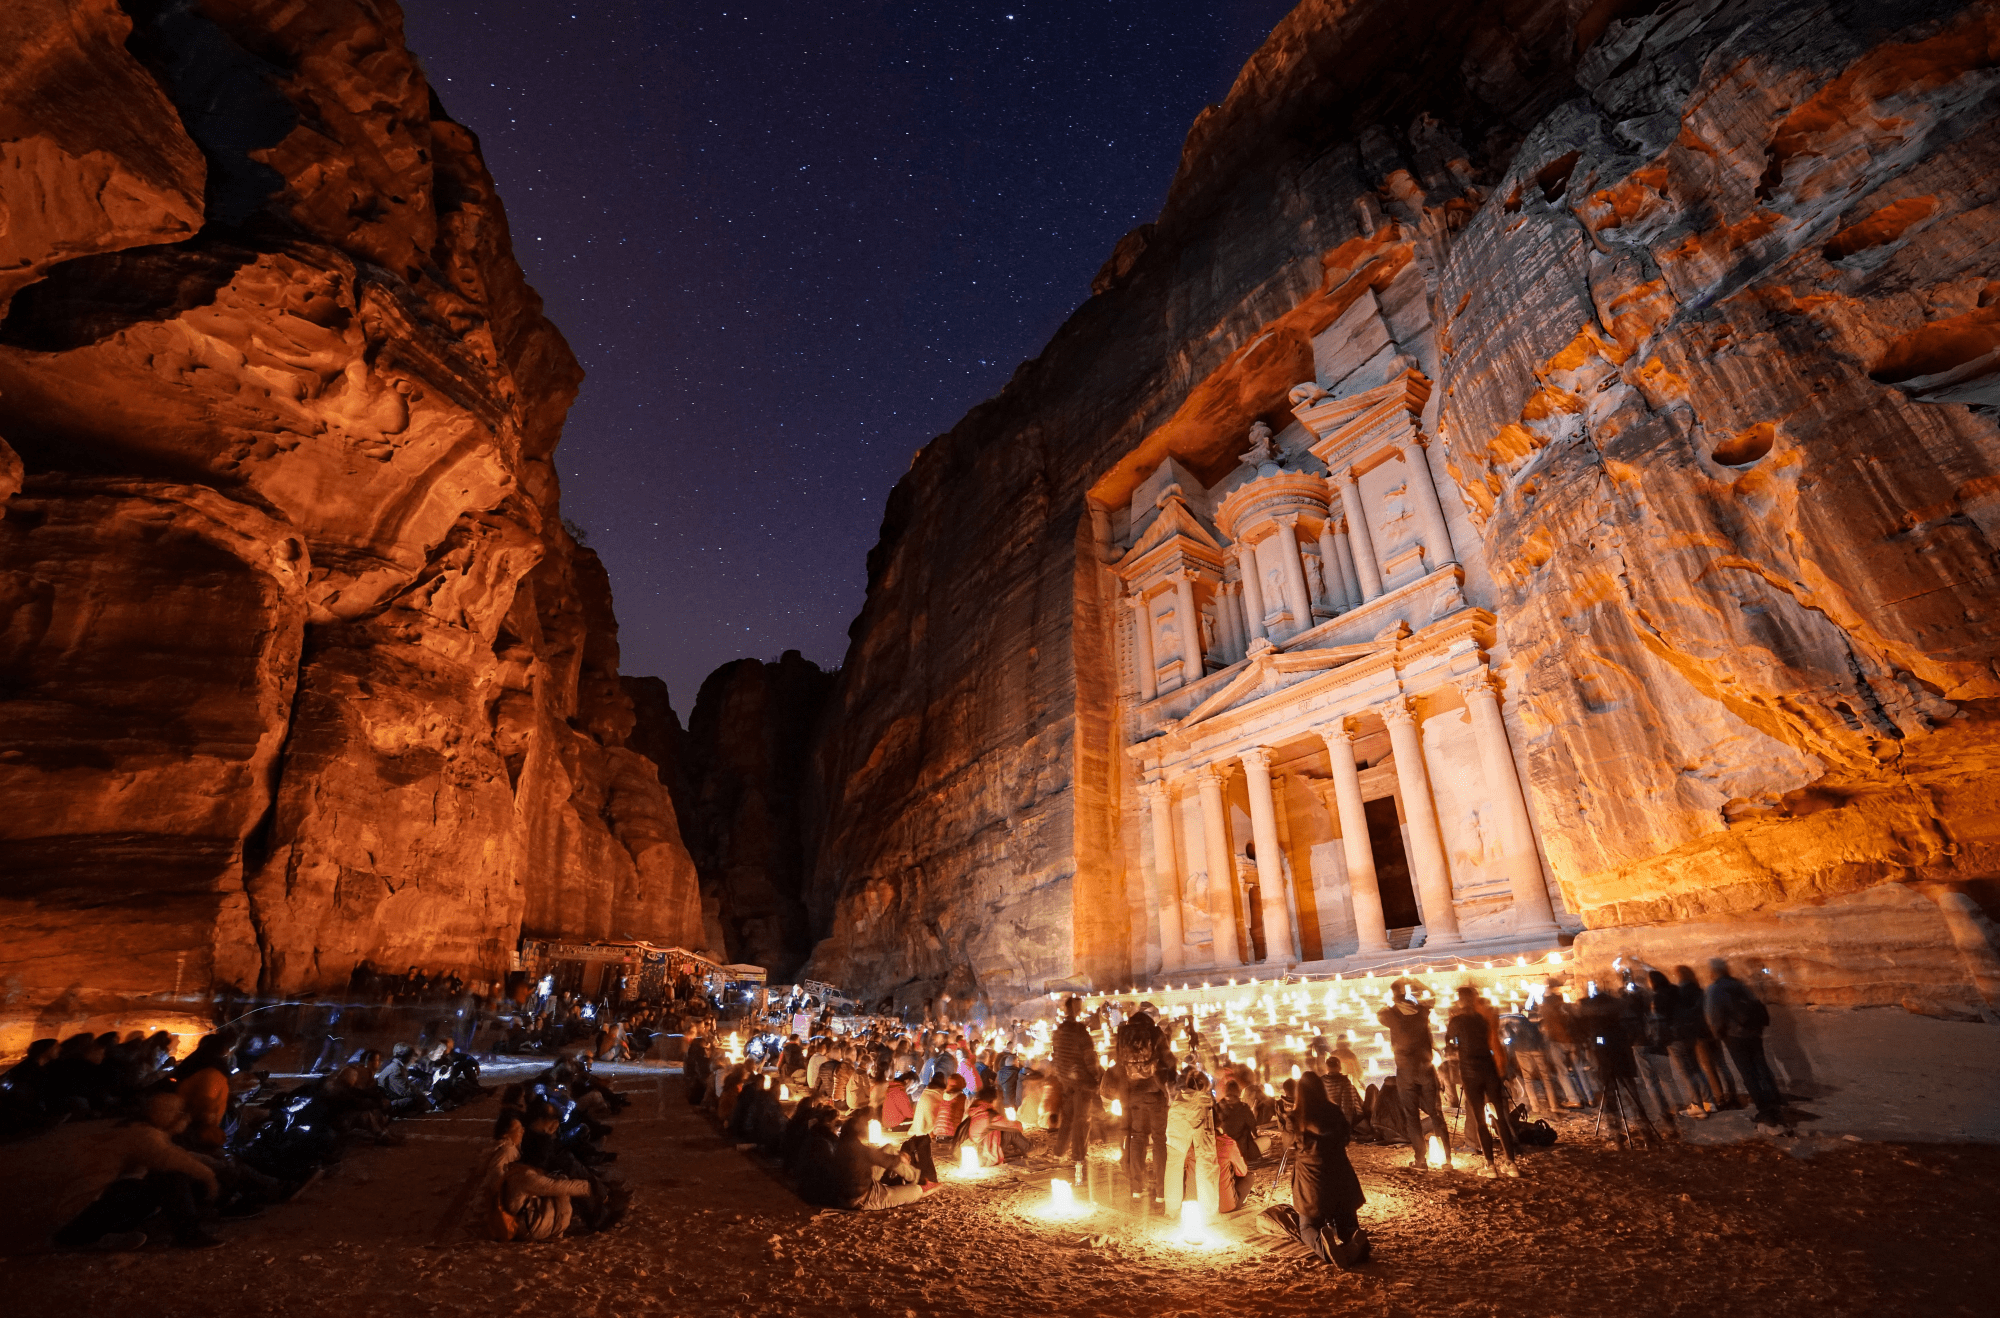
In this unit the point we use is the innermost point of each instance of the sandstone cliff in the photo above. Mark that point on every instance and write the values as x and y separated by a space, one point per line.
1709 295
745 800
298 666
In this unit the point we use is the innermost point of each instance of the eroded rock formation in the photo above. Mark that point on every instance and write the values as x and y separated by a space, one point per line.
298 665
1707 299
745 802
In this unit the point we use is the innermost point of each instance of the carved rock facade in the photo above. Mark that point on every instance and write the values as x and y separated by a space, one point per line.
1692 319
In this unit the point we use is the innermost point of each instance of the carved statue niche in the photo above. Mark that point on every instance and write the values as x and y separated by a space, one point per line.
1315 576
1197 925
1262 448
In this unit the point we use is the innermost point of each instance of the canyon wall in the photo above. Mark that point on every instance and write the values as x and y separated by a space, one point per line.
744 790
298 666
1711 306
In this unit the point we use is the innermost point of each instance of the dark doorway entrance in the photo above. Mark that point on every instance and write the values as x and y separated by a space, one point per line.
1392 866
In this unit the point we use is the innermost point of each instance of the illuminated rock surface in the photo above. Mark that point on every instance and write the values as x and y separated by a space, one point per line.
1710 316
300 666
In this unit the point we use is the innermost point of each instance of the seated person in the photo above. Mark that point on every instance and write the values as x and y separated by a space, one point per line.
855 1174
536 1202
898 1108
202 1081
133 1171
1234 1172
400 1083
987 1129
1234 1119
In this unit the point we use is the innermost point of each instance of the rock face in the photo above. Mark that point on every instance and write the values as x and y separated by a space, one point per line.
745 800
298 665
1709 301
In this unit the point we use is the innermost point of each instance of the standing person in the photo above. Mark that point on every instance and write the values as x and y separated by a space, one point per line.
1192 1148
1144 1064
1523 1040
1739 1020
1344 1057
1702 1050
1669 1027
1409 1025
1619 1106
1568 1044
1648 1029
1479 1072
1325 1190
1074 1059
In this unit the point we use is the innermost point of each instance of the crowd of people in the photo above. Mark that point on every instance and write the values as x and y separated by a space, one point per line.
167 1147
862 1111
881 1106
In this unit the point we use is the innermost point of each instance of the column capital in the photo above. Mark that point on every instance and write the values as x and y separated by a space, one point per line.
1479 684
1349 476
1409 440
1256 757
1398 711
1210 775
1287 520
1154 789
1337 731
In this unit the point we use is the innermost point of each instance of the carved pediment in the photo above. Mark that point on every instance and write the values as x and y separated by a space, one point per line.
1267 668
1365 420
1174 533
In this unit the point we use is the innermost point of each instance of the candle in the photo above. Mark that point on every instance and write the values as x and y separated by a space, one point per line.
968 1158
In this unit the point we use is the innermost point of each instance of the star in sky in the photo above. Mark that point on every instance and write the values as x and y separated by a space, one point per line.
791 244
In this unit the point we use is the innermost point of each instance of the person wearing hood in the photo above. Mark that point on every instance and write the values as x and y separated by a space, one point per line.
1191 1146
1408 1023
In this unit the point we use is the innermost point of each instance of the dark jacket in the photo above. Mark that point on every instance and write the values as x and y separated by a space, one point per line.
1409 1036
1074 1056
1323 1180
1734 1011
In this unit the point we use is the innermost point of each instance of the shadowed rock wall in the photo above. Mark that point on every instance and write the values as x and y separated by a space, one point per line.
1716 349
745 764
299 666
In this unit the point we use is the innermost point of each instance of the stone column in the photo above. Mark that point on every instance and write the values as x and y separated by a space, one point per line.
1365 566
1142 617
1338 597
1533 913
1166 876
1253 590
1426 842
1190 628
1297 598
1221 865
1423 490
1270 871
1363 889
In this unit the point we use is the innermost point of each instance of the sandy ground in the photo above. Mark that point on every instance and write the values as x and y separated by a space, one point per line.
1820 1225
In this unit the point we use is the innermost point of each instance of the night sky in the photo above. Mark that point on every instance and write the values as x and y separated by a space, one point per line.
793 242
